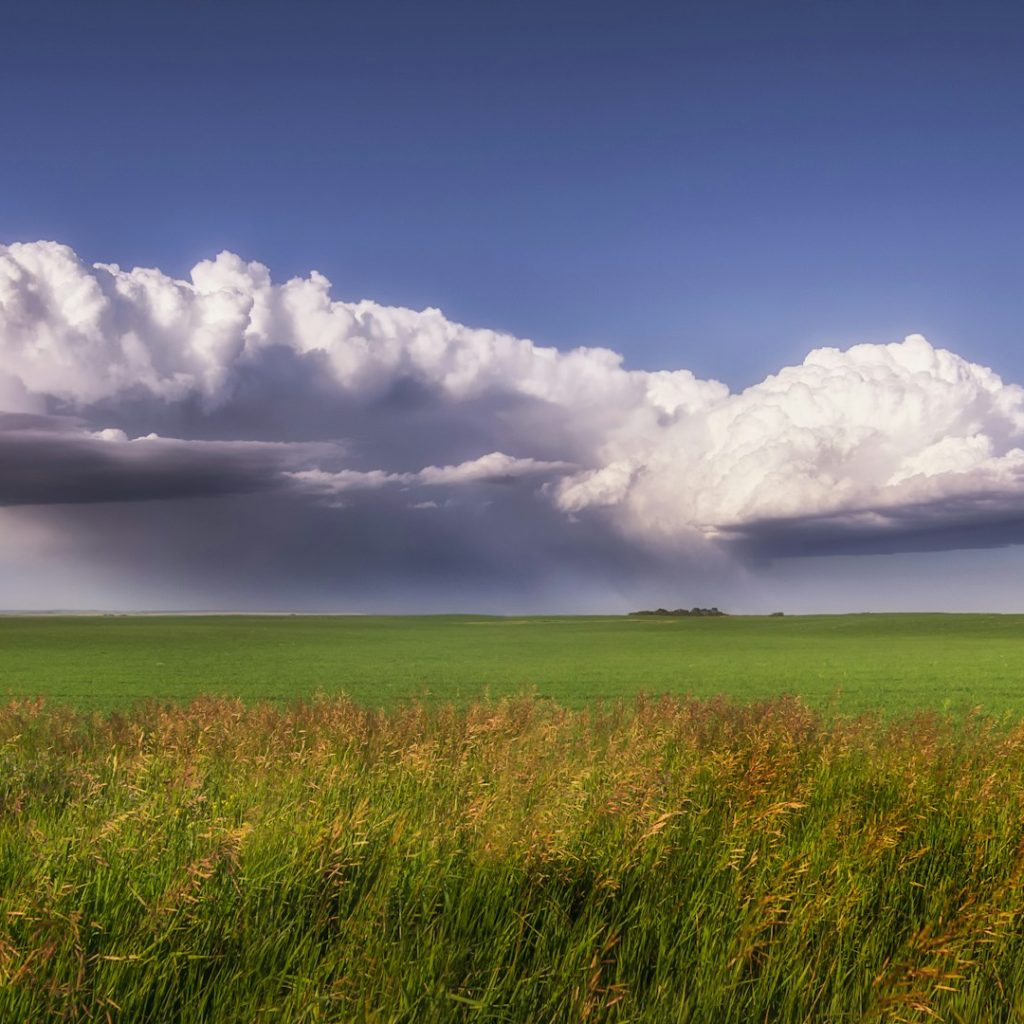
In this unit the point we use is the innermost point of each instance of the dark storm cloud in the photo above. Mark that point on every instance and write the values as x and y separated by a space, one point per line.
379 552
284 396
55 461
976 521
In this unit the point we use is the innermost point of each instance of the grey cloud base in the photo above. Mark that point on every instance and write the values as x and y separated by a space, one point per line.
329 448
53 460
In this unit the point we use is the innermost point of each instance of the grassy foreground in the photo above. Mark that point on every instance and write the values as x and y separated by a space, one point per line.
851 662
668 860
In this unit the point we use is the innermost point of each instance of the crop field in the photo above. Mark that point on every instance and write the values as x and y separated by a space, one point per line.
850 663
801 821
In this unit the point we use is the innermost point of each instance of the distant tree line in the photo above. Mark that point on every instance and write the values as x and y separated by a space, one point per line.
680 612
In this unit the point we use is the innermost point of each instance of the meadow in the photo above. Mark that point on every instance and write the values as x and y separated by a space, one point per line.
850 663
670 860
803 821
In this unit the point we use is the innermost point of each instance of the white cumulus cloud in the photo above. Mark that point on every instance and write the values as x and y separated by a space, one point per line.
877 428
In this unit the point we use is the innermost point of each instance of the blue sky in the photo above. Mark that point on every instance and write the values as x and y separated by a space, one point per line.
718 188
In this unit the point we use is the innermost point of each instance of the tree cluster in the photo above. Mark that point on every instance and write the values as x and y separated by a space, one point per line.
680 612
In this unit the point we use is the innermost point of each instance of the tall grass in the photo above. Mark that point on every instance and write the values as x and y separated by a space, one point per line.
670 860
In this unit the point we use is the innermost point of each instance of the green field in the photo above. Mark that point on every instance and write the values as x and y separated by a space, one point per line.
849 662
803 822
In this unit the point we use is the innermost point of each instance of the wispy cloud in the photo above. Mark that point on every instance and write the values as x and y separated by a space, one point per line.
493 468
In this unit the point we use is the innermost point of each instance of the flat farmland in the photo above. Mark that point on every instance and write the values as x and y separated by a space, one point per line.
849 663
568 854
